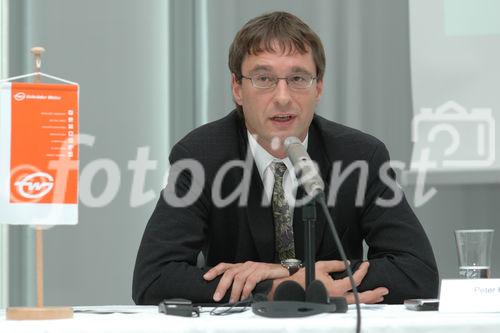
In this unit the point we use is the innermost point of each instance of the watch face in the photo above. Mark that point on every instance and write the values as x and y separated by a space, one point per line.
293 265
291 262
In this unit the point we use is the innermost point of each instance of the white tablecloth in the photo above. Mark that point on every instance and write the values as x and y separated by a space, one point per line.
375 318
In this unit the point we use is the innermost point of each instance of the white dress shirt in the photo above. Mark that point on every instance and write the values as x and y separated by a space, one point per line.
263 161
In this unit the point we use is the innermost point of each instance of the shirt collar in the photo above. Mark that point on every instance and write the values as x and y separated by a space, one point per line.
263 159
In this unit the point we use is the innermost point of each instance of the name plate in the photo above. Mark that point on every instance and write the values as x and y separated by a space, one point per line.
470 295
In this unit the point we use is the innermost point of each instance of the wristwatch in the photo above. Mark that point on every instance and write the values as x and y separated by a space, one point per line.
292 265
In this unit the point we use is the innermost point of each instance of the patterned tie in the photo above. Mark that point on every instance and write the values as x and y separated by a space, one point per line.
283 225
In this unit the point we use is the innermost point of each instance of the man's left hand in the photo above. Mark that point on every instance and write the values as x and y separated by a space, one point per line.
342 287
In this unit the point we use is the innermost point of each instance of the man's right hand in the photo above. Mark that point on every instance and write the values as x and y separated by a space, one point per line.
242 278
341 287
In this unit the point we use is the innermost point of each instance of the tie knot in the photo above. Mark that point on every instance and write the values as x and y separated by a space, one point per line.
279 169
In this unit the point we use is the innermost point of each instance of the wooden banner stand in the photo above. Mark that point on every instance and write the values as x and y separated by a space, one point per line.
39 312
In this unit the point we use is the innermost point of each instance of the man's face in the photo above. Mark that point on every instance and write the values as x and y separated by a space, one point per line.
281 111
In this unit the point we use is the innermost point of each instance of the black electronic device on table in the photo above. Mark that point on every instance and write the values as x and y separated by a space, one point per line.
420 304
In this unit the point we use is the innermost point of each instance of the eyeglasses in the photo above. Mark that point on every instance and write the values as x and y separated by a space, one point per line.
294 81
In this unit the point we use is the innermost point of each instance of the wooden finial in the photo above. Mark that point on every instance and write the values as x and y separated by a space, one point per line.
37 52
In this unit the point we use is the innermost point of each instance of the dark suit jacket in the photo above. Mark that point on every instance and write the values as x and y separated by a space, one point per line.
400 255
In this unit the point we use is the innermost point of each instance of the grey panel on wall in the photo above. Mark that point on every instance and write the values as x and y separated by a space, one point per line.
117 52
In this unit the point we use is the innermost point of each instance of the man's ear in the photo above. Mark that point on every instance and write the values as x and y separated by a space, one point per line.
236 89
319 90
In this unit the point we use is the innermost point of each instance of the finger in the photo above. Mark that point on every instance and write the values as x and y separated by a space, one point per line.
239 282
262 271
217 270
373 296
331 266
360 273
251 282
343 285
224 284
369 297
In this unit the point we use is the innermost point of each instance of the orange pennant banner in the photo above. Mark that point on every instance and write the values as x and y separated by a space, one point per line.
44 143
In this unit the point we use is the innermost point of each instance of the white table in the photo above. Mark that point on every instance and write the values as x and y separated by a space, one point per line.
375 318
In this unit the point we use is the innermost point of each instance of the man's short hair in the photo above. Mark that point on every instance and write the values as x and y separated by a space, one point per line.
277 29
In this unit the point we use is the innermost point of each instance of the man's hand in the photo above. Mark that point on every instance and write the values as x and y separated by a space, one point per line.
243 277
341 287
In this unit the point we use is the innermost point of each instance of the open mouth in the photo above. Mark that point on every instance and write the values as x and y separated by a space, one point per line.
282 118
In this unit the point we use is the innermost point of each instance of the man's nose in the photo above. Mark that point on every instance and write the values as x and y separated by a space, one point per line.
282 93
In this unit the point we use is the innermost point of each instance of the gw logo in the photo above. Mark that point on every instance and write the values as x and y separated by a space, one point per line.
20 96
35 185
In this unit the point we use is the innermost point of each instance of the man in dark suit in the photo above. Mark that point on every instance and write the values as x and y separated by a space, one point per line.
232 193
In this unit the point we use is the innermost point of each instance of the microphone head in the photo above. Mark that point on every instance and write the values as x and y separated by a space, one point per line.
306 170
316 292
289 291
291 140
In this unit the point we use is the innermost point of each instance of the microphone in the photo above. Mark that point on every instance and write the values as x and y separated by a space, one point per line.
304 166
289 291
291 301
315 292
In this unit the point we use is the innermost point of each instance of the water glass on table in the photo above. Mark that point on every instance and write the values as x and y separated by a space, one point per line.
474 253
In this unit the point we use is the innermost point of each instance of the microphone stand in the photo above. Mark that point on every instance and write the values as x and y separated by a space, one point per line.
309 219
299 158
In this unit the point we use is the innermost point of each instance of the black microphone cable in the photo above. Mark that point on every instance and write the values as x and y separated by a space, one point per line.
320 197
237 307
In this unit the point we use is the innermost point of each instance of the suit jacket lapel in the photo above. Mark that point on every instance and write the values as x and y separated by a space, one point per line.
260 217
